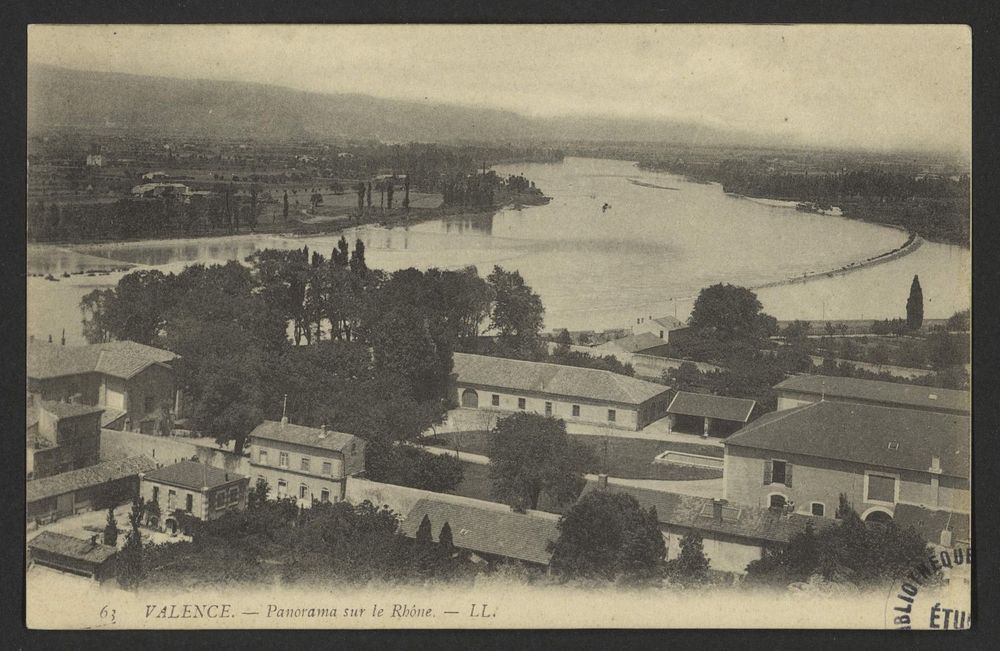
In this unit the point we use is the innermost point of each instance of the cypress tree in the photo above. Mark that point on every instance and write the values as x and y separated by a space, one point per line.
111 528
446 541
424 532
915 306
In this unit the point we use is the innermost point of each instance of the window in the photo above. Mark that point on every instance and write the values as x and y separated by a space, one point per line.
283 459
189 503
611 415
282 488
576 410
171 497
324 495
495 400
548 408
521 403
156 493
148 404
327 468
777 502
304 465
220 499
818 509
303 491
234 494
262 456
880 488
777 471
661 334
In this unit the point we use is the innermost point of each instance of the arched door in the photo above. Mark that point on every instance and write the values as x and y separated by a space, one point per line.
470 398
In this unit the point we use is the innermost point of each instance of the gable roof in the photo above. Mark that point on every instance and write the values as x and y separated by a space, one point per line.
694 512
121 359
862 434
70 547
308 436
542 377
487 528
67 482
670 322
890 393
707 405
192 475
635 343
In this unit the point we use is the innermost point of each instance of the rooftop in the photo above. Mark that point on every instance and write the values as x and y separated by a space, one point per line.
486 529
540 377
703 404
636 343
192 475
930 522
67 482
69 409
890 393
694 512
121 359
868 434
84 550
307 436
670 322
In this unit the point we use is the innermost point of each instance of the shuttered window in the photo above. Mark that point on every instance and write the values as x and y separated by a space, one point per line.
777 472
881 488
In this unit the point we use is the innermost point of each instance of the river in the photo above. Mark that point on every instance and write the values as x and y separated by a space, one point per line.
660 240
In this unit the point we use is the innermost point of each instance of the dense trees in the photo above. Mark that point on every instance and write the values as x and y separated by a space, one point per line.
691 565
848 551
530 454
609 536
730 313
517 315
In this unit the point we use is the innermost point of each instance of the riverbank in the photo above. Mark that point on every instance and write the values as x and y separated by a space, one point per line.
398 217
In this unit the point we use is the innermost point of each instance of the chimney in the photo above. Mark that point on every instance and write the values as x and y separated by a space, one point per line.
322 431
717 505
284 420
935 464
602 482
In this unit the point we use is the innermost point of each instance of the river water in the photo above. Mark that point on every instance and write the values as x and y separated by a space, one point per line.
660 240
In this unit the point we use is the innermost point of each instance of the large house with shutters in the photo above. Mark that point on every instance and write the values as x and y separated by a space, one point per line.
196 489
886 460
306 463
574 394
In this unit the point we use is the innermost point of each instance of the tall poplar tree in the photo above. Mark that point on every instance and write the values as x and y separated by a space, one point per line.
915 305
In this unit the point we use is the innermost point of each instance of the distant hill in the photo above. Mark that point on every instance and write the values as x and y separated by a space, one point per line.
60 97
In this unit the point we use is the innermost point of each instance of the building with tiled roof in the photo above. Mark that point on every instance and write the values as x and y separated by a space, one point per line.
197 489
663 328
87 558
74 491
132 382
733 534
307 463
572 393
491 531
643 343
880 457
801 389
61 436
708 415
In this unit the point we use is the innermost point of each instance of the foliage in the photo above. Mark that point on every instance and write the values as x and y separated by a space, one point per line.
111 529
608 536
562 355
517 315
915 306
131 567
529 454
257 495
730 313
564 338
959 321
848 551
411 466
691 565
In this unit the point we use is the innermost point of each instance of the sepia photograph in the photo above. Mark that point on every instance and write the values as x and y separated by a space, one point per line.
470 326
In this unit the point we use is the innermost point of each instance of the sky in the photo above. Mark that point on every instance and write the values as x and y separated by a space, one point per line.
867 86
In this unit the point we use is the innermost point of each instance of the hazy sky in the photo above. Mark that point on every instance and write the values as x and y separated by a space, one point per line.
869 86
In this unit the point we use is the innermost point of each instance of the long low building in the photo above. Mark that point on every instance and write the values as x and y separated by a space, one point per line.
803 389
708 415
572 393
87 558
75 491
